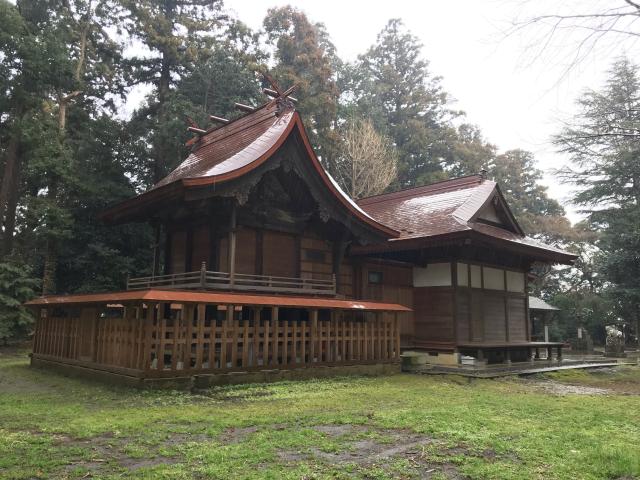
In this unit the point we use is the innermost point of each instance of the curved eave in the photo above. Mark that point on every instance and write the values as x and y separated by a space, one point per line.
177 187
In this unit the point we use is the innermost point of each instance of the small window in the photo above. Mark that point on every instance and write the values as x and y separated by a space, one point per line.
375 277
463 275
476 276
515 281
434 275
314 255
493 278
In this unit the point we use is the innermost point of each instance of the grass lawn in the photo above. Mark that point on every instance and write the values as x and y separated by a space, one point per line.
573 425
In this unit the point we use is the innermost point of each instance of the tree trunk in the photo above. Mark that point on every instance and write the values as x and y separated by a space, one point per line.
50 268
8 187
161 160
10 216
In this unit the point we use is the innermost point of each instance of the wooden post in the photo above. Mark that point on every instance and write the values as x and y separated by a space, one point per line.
313 316
200 336
149 328
245 343
396 323
265 347
228 324
223 342
232 247
294 342
233 326
155 268
285 343
203 275
256 336
274 319
160 341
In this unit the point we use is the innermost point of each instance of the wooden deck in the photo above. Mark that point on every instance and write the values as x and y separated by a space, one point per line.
524 368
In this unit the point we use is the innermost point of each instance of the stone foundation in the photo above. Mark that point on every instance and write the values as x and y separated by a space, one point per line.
202 381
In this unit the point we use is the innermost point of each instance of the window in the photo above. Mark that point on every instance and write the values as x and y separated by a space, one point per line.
435 275
476 276
493 278
314 255
515 282
463 275
375 277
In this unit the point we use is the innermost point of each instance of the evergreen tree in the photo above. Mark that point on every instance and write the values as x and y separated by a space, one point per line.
304 56
174 35
392 85
517 174
604 146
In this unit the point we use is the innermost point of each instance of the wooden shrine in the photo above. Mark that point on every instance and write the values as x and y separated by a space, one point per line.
262 262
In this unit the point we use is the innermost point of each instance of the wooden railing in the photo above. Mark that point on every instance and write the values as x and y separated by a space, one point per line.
208 280
157 340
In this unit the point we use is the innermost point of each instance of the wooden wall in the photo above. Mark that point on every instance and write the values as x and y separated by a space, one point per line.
396 287
258 252
433 313
485 315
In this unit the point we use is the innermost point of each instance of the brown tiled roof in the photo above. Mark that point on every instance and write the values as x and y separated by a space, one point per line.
448 208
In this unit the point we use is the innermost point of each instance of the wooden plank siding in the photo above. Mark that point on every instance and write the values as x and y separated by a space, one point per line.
396 287
155 340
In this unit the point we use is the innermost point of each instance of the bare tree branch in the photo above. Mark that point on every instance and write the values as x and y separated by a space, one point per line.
369 160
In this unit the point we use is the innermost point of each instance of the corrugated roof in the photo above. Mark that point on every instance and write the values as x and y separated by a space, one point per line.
153 295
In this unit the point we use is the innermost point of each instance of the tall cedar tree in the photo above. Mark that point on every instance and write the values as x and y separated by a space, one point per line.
517 174
173 36
392 85
304 56
604 146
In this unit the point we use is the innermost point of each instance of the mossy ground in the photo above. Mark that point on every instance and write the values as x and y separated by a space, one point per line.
401 426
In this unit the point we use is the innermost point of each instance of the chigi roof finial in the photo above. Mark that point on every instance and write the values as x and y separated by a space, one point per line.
483 173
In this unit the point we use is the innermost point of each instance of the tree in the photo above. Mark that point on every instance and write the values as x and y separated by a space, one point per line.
175 35
578 29
16 287
466 152
304 56
392 85
605 153
517 174
368 162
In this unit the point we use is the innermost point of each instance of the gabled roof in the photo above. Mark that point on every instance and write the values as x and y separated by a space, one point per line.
235 149
453 208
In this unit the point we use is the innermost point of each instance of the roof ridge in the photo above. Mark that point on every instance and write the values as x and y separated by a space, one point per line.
215 128
224 131
431 187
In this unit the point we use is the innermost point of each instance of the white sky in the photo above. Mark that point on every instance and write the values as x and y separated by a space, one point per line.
516 96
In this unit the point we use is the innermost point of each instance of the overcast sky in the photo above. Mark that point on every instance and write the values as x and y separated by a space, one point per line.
517 96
